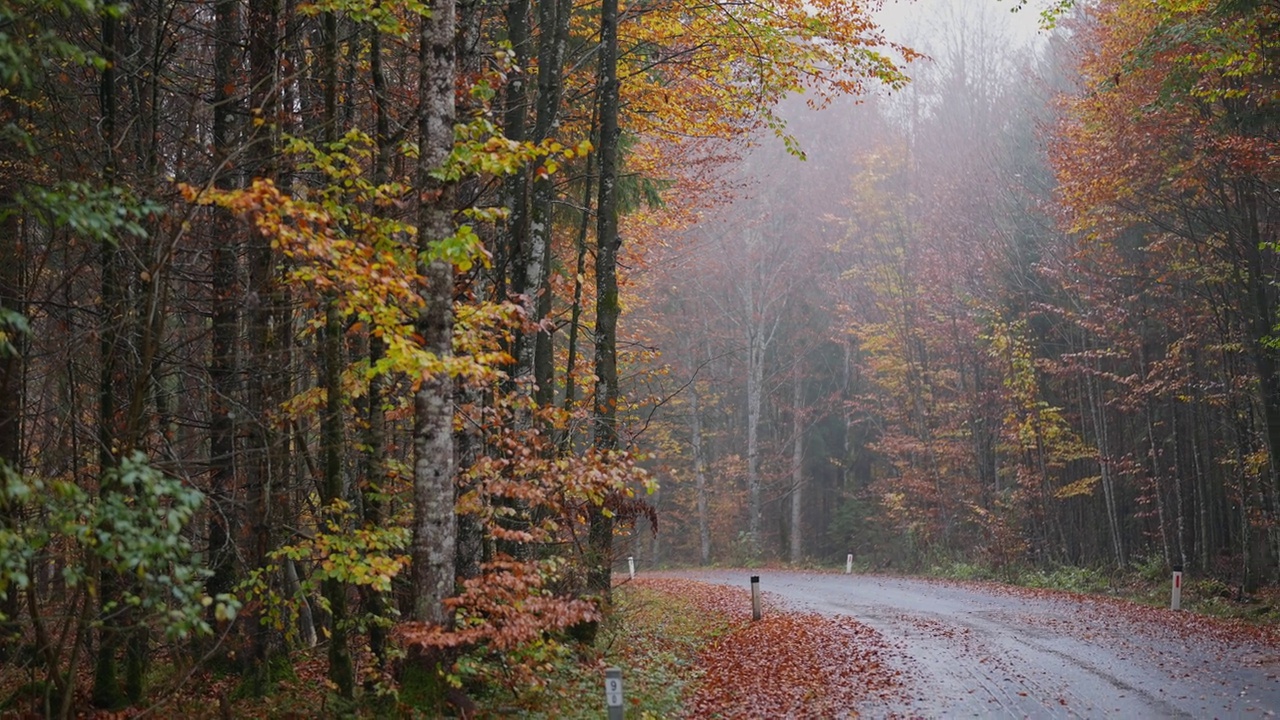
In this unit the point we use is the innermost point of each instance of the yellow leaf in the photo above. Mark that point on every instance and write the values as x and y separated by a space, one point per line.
1083 486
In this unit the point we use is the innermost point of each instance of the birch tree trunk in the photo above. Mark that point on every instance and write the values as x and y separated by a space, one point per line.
1099 413
755 393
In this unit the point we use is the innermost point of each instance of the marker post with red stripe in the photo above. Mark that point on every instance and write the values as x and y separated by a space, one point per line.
1175 600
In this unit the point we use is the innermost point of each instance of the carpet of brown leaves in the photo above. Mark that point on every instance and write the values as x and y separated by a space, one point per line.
786 665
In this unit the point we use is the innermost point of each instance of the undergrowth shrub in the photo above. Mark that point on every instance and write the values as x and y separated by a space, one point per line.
1152 568
960 570
1065 577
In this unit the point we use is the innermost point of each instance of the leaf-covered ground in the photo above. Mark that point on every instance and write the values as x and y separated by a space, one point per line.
687 650
788 664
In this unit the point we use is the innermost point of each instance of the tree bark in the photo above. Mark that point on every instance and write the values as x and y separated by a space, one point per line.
434 522
107 692
797 465
553 23
12 367
375 467
265 360
700 477
1099 412
605 414
226 301
341 667
755 392
512 257
575 314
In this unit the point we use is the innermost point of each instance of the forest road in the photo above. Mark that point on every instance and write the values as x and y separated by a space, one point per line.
974 650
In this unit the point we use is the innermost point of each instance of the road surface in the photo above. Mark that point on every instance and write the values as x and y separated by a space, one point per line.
971 650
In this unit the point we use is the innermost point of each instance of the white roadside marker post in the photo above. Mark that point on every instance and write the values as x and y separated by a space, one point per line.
1175 600
631 566
755 597
848 565
613 693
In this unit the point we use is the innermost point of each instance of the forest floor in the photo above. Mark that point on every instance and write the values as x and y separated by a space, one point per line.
788 664
686 649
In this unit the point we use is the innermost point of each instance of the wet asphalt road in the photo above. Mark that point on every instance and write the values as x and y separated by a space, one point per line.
975 651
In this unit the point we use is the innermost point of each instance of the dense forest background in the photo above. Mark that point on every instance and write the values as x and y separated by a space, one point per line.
1019 314
393 326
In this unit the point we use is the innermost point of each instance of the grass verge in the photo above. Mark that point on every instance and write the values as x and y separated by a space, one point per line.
654 635
1145 583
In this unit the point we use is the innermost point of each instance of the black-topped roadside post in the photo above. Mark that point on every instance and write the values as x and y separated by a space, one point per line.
1175 598
755 597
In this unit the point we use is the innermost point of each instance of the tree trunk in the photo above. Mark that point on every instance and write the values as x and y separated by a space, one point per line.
1153 459
264 361
433 550
1099 412
375 468
107 692
226 302
700 478
512 256
341 667
797 465
605 414
575 314
755 391
1180 525
12 370
434 523
553 22
1261 315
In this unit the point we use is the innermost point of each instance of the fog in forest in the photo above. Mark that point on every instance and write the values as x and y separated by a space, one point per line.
899 340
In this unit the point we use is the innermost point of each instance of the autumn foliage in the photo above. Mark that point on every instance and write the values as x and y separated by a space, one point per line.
1034 325
414 319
